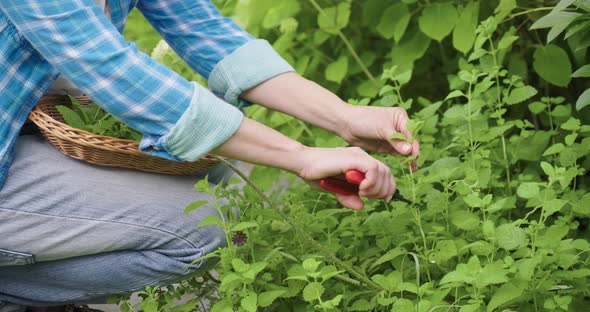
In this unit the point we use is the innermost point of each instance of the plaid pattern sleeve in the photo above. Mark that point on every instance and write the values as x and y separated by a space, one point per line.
195 30
214 46
76 37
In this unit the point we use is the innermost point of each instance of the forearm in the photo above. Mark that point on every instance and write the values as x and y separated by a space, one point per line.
256 143
304 99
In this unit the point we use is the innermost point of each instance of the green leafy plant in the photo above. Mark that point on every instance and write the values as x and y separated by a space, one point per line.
94 119
499 209
573 18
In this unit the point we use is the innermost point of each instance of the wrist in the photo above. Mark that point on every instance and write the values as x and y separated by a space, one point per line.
345 128
295 153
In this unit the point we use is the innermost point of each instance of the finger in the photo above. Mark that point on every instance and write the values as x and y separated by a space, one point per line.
350 201
390 186
401 146
386 185
415 152
370 183
380 186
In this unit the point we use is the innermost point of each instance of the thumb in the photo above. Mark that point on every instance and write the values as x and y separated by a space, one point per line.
350 201
401 145
401 135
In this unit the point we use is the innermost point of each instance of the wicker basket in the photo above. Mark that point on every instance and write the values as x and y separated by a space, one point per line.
103 150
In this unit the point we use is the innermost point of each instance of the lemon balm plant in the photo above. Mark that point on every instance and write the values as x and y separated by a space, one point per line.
499 209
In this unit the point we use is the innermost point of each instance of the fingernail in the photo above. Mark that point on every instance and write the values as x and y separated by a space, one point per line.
406 148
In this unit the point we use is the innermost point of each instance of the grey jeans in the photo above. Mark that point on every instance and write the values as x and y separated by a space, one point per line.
71 232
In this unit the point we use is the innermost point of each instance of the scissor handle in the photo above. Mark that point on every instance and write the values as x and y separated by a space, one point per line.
350 186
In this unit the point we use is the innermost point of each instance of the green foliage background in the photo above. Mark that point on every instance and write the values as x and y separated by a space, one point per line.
501 203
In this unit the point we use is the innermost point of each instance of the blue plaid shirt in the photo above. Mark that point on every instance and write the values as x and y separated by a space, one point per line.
181 120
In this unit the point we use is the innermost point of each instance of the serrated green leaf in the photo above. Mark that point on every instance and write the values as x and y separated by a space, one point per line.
528 190
510 237
361 305
203 185
336 71
521 94
572 124
210 220
390 255
464 31
490 274
70 117
404 305
554 149
335 18
553 65
394 22
503 295
547 168
504 8
398 136
268 297
239 265
454 94
465 220
537 107
313 291
552 206
224 305
472 200
470 308
194 205
249 303
438 20
281 11
310 264
506 42
149 304
244 225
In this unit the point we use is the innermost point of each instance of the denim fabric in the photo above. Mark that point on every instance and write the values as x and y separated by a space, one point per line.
71 232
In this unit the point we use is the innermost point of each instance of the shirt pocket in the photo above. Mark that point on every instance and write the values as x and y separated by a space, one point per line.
11 258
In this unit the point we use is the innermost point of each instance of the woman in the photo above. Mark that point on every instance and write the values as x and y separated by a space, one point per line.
76 233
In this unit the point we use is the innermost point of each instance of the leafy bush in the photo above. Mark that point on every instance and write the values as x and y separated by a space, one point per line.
501 202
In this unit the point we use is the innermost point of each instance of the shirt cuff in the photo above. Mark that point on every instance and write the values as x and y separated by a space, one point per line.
248 66
207 123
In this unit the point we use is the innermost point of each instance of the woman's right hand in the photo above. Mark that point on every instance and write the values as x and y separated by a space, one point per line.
319 163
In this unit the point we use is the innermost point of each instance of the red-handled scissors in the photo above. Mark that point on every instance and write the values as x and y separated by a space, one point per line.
350 185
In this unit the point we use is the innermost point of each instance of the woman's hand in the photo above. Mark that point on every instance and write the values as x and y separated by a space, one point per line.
366 127
372 127
319 163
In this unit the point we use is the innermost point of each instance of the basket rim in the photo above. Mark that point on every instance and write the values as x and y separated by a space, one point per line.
127 146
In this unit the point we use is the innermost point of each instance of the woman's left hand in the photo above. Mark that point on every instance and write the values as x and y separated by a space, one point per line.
372 127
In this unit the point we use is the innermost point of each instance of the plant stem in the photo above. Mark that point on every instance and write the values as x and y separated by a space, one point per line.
510 17
499 104
322 249
471 145
348 45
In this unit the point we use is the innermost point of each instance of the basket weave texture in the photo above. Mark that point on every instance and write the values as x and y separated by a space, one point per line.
103 150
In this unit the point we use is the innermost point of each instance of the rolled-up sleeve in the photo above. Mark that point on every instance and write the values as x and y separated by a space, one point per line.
76 37
214 46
